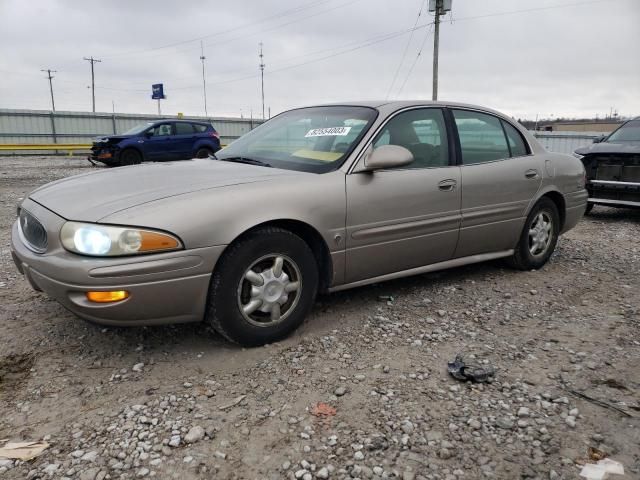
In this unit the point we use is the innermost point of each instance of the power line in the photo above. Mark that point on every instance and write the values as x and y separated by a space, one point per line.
375 40
49 71
366 43
284 13
218 43
512 12
93 85
404 53
424 41
371 41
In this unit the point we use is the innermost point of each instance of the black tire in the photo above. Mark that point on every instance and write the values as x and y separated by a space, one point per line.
130 156
523 257
228 289
589 208
203 152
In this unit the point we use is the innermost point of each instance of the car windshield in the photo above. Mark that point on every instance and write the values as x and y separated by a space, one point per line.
629 132
315 139
138 129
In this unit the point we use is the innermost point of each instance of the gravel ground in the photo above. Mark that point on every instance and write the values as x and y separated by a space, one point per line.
179 402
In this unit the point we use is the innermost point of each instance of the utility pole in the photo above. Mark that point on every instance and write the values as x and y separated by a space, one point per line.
439 7
262 77
204 81
93 85
49 72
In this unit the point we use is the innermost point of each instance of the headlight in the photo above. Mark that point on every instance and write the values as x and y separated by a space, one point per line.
108 241
577 155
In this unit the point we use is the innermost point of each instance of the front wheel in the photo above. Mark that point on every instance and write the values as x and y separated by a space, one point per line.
263 287
130 157
539 236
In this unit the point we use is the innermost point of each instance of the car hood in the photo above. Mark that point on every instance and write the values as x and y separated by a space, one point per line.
609 148
111 138
93 196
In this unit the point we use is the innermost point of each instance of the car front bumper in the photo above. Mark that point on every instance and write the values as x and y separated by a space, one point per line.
163 288
614 193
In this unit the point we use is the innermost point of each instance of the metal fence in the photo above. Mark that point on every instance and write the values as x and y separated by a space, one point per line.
44 127
565 142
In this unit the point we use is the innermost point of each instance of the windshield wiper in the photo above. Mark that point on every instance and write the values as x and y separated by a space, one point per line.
249 161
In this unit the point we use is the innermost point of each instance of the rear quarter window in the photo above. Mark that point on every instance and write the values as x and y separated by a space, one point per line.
516 142
184 128
200 128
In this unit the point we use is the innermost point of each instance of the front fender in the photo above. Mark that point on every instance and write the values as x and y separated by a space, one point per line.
218 216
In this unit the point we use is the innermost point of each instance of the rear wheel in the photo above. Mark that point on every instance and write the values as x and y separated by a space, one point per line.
130 157
539 236
263 287
203 152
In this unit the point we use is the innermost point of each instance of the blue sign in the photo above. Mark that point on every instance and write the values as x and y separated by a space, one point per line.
157 91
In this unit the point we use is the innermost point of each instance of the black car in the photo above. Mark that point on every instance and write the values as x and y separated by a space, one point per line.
612 164
157 141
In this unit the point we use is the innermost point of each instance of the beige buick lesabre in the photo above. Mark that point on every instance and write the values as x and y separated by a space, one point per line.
316 199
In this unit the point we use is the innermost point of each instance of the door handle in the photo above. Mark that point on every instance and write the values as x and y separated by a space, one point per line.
533 173
447 185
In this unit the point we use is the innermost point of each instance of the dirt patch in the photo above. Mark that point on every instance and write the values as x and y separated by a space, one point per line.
14 370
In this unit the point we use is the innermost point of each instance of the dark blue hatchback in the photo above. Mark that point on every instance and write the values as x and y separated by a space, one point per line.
157 142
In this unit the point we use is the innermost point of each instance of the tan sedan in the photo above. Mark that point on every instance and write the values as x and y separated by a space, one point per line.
316 199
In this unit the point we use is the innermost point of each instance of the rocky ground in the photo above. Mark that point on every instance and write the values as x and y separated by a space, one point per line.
360 391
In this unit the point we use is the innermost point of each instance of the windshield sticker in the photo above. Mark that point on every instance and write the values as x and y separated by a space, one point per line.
328 132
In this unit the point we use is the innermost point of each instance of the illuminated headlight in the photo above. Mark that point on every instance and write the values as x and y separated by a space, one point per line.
108 241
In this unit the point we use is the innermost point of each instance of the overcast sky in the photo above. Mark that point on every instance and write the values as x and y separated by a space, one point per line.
547 57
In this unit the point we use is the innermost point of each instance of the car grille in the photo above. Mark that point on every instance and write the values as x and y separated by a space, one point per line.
33 233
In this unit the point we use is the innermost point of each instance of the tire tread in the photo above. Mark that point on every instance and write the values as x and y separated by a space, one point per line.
228 257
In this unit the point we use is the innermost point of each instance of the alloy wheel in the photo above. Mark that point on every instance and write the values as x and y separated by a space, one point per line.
269 290
540 234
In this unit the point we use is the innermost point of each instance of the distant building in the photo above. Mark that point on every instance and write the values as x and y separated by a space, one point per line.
581 126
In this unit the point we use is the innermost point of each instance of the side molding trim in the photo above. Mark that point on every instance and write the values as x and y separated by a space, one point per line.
456 262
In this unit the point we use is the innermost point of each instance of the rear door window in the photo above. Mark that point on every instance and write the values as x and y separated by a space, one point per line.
482 138
184 129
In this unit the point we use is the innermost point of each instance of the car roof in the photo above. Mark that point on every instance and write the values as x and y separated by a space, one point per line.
386 106
182 120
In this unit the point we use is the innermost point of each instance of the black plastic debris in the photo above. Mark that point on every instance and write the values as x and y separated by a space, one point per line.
459 370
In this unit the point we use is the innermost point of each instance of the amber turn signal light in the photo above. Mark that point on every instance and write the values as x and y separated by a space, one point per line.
151 241
107 297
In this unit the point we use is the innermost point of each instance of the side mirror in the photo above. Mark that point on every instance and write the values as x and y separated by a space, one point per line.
148 134
387 156
599 139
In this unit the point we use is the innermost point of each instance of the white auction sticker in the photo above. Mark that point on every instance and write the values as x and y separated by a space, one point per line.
328 132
